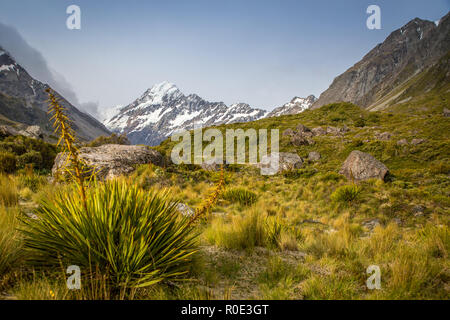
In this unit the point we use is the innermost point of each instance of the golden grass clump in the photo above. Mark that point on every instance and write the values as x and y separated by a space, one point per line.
9 193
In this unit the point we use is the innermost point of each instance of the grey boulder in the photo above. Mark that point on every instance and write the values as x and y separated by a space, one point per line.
362 166
112 160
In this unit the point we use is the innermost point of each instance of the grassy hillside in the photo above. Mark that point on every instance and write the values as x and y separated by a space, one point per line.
304 234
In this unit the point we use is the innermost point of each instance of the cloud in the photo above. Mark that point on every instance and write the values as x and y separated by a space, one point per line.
36 65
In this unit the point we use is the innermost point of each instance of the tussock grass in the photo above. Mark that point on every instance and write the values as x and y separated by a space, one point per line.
10 241
240 195
346 194
242 233
8 191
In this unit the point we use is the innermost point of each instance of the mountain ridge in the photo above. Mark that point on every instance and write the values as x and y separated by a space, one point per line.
163 109
404 53
23 99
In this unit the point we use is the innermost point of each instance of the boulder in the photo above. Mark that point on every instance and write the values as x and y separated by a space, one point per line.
361 166
212 164
332 130
337 131
415 142
185 210
288 132
418 210
384 136
371 224
32 132
300 139
446 112
6 131
344 129
314 156
301 128
113 160
286 161
402 142
319 131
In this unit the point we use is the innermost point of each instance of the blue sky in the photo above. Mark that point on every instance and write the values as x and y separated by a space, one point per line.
254 51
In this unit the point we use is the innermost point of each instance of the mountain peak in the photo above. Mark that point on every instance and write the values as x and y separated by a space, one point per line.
159 93
163 88
163 110
296 105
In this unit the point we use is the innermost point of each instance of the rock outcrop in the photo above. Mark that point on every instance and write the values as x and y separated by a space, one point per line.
212 164
415 142
446 112
314 156
113 160
286 161
362 166
185 210
319 131
385 136
27 131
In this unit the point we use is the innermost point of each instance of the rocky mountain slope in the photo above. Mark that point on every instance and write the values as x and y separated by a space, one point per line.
23 100
296 105
377 79
163 110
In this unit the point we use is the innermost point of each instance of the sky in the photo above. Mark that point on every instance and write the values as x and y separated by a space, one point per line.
255 51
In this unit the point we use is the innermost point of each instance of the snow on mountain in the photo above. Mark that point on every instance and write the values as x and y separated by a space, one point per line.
110 112
296 105
163 110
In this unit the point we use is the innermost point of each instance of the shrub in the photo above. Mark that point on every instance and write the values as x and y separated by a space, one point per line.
13 147
7 162
373 118
360 122
135 238
31 157
28 150
240 195
346 194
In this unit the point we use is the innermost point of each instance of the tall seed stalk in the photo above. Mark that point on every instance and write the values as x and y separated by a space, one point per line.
73 164
212 198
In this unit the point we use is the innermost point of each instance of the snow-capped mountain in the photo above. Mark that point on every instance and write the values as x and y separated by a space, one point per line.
296 105
163 110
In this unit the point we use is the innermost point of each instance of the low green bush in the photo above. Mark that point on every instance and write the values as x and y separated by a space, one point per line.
360 122
7 162
32 157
